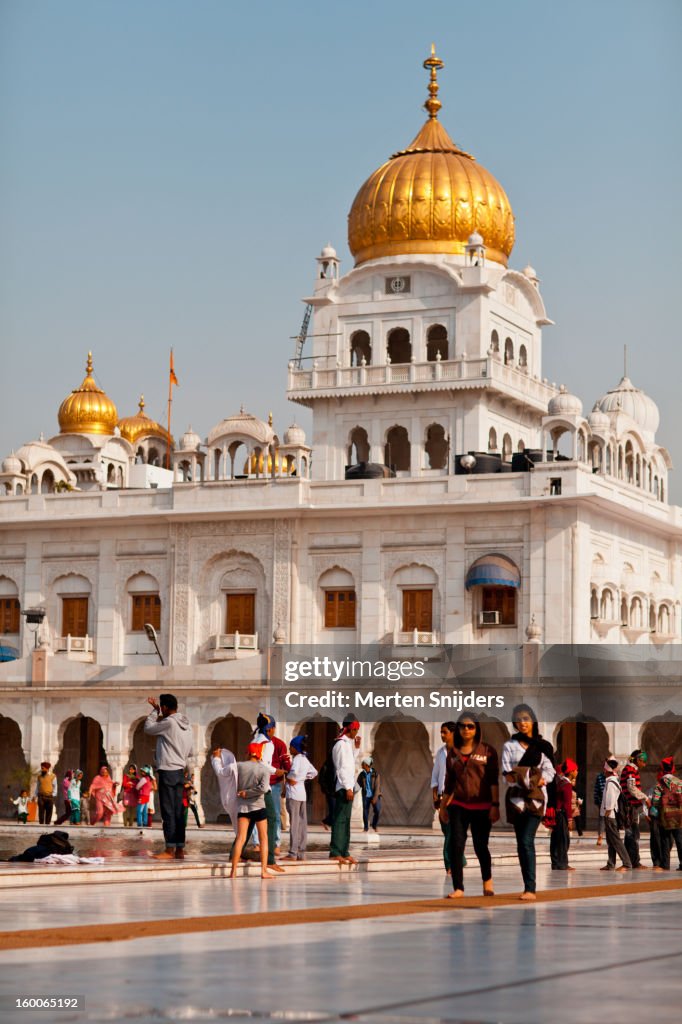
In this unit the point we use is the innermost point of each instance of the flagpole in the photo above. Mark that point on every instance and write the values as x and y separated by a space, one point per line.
171 374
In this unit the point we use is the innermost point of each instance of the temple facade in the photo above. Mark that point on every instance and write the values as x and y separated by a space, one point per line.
448 494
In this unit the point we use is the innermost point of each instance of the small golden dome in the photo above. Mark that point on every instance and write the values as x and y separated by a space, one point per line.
87 410
256 463
135 427
429 198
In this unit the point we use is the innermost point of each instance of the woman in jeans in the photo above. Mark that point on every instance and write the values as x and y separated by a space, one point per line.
527 760
470 800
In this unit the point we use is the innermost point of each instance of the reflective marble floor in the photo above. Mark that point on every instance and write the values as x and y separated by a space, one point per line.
591 960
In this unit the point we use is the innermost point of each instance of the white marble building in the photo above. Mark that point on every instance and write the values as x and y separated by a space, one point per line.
505 515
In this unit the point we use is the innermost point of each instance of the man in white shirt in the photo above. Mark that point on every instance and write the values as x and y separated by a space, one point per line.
343 759
447 735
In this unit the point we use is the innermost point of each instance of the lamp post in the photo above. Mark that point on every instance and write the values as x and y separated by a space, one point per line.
151 635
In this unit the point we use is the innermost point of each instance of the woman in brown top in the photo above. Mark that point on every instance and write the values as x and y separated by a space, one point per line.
470 799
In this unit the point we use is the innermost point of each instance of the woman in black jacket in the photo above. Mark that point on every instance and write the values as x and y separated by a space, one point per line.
471 799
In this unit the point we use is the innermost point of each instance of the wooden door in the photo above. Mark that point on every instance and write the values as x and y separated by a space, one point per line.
241 613
417 610
74 616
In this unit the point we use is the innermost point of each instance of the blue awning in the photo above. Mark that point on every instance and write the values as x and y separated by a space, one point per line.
8 653
493 571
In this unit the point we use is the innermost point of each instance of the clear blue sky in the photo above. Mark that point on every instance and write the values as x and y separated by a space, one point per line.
171 169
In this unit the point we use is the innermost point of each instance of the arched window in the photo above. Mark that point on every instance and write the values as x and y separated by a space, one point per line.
494 580
436 342
358 447
397 449
624 614
495 341
521 446
652 617
492 440
153 457
111 473
636 614
74 593
664 619
339 599
523 356
506 448
594 604
606 605
436 446
360 348
34 484
399 347
145 603
47 482
508 351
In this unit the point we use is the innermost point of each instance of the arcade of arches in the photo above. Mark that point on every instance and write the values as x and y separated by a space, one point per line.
402 752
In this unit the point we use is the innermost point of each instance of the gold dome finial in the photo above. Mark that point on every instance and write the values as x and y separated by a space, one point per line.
433 64
269 419
141 404
87 410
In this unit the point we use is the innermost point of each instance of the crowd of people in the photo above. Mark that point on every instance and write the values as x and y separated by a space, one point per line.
465 785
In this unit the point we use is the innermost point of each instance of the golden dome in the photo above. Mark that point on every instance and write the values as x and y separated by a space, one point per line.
429 197
135 427
87 410
256 463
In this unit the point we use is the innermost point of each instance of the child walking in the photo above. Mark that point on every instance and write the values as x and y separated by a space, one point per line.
75 797
21 804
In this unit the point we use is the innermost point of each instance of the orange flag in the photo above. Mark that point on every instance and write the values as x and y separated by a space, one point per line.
173 378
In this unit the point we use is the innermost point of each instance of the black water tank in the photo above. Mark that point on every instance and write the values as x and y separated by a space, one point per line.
368 471
485 463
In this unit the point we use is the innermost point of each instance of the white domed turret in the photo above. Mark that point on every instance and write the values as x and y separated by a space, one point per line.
294 435
475 239
190 441
565 404
328 252
598 420
12 464
245 427
632 402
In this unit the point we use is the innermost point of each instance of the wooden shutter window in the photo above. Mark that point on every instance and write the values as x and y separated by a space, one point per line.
9 615
74 616
146 608
339 609
241 613
418 611
501 600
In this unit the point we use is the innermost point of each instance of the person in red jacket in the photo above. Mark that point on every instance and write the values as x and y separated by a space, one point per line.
561 833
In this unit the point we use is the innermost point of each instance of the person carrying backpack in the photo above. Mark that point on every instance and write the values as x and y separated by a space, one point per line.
609 810
666 809
598 793
636 799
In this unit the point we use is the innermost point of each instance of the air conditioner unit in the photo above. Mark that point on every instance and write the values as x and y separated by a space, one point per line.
489 619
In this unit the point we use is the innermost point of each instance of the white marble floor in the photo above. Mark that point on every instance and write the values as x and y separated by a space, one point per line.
580 962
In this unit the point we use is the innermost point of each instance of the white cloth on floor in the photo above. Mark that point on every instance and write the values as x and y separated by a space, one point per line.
225 768
68 859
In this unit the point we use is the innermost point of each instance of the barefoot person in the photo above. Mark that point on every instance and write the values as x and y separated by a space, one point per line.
173 750
527 765
471 799
343 758
253 782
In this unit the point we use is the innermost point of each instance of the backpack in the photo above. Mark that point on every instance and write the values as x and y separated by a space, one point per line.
670 809
623 812
327 776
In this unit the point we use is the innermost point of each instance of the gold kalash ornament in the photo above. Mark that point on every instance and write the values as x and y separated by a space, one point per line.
429 197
